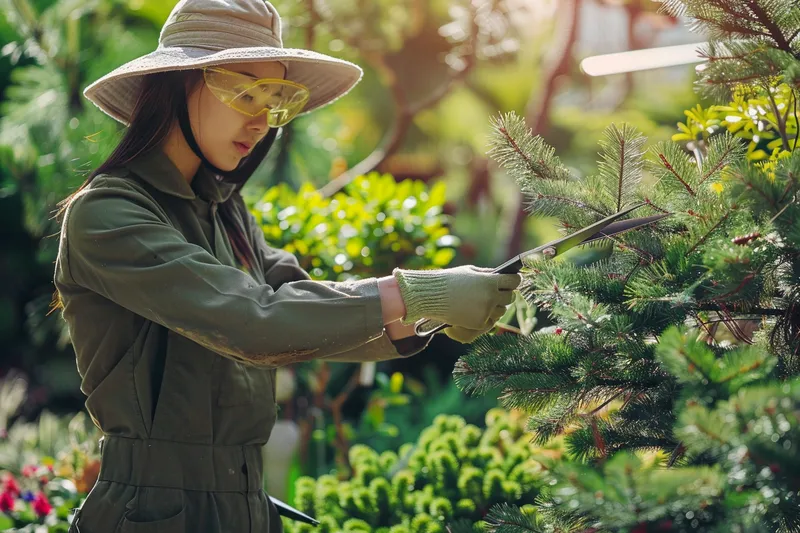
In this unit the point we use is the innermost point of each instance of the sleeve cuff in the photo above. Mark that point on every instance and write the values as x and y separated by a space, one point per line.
408 346
379 347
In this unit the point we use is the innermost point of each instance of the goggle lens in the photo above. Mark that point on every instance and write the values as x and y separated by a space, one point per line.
282 100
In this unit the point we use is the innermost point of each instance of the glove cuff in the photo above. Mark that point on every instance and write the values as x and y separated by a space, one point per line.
424 293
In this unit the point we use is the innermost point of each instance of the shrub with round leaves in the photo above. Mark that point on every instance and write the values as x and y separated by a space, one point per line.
455 472
371 226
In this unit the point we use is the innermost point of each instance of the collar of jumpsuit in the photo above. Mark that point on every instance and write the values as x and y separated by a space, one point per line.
160 172
151 305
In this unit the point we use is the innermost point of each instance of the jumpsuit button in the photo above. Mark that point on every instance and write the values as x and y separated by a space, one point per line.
244 469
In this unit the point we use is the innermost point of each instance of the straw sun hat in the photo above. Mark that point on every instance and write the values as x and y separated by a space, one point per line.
201 33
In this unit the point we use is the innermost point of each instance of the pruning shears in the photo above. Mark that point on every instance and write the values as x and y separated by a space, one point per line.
607 227
291 513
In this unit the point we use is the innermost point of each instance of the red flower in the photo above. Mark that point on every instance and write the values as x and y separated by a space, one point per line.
11 485
41 506
28 470
559 331
6 501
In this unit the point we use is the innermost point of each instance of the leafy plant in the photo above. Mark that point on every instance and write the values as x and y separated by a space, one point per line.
765 117
372 226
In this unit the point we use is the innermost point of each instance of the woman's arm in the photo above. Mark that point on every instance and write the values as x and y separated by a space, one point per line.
120 245
392 306
280 266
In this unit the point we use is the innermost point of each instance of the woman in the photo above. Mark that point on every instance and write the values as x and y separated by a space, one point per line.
180 312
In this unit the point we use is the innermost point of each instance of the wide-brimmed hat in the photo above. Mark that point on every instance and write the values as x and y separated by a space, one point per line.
200 33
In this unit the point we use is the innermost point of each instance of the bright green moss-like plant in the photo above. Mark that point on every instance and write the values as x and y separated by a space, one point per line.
455 472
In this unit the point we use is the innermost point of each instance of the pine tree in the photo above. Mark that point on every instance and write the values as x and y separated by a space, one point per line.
672 369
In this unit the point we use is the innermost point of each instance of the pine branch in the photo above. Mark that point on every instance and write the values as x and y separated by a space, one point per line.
733 18
526 156
532 365
671 169
550 198
549 424
723 150
747 176
684 356
505 518
652 205
620 169
709 232
774 31
742 366
732 63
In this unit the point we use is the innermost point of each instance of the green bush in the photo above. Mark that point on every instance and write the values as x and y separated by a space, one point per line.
454 473
371 226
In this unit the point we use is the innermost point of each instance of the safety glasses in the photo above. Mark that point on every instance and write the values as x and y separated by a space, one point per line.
280 99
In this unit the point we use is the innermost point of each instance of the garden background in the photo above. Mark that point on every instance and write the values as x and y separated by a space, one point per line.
396 173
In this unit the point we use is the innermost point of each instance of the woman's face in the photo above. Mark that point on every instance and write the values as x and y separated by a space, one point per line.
225 135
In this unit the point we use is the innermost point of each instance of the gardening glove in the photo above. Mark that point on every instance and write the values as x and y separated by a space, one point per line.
465 296
467 336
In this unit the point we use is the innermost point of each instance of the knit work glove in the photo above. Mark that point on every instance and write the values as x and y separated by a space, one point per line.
467 336
465 296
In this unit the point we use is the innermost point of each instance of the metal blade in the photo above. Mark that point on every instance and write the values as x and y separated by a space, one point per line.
622 226
291 513
599 230
580 236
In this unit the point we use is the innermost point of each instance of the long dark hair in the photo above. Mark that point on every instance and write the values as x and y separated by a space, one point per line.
156 111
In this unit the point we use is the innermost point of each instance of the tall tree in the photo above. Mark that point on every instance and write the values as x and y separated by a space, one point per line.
672 425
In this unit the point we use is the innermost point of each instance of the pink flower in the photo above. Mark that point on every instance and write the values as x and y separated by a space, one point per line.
41 506
6 501
28 470
11 485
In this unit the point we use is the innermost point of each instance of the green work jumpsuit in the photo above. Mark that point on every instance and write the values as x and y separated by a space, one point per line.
177 346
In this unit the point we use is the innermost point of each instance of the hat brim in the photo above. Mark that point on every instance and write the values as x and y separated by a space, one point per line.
326 77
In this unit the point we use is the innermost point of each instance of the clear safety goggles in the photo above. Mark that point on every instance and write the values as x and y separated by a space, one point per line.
280 99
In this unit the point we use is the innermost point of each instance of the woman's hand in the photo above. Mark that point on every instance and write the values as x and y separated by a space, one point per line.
465 297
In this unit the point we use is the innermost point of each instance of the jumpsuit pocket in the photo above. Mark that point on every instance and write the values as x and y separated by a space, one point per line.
241 384
149 506
174 524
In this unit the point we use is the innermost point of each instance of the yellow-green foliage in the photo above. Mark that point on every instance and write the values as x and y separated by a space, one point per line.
766 118
372 226
455 471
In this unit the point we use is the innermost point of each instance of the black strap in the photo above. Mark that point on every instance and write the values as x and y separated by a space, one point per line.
186 128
